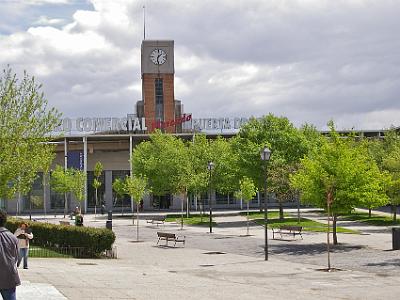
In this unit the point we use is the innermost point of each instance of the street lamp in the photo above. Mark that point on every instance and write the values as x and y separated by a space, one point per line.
265 156
210 167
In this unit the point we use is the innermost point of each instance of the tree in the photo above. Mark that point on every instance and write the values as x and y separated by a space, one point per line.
386 154
164 160
225 175
246 192
26 124
199 153
339 176
287 143
77 184
279 182
119 189
391 163
98 169
61 183
136 187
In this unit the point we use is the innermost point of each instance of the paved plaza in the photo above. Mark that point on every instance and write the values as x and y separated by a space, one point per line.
224 265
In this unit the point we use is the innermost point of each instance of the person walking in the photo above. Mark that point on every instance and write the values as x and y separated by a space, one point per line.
23 234
9 278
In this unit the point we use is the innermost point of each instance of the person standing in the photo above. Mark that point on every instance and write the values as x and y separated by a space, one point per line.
23 234
9 278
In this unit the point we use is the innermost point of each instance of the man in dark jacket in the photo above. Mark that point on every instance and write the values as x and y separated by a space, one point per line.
9 278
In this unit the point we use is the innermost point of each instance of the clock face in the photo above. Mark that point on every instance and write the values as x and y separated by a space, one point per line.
158 56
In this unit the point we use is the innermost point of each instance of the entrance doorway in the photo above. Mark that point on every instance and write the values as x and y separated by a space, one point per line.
162 202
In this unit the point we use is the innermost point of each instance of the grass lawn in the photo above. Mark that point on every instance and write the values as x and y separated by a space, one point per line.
258 215
36 251
192 220
307 224
374 220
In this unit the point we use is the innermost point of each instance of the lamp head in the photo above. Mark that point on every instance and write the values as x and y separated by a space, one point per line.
265 154
210 165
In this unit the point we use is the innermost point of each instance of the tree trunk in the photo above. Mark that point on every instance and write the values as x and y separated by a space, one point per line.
30 206
369 212
395 214
334 229
182 212
281 217
187 206
44 196
95 205
329 200
248 230
65 204
137 222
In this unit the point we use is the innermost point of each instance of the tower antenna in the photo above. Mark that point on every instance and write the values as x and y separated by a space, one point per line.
144 22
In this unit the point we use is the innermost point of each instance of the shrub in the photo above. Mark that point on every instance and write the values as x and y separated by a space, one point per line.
93 240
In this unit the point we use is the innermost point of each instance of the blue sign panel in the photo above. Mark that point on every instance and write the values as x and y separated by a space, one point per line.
75 160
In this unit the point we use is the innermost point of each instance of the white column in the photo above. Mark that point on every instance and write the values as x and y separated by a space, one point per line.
130 164
85 160
65 154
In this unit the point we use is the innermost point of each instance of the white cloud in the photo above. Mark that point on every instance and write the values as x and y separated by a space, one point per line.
43 20
309 60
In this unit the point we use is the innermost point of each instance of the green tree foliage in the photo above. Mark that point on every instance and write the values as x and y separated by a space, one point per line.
199 154
78 182
69 181
225 175
386 153
26 123
342 173
136 187
246 192
287 143
119 189
279 182
61 182
164 160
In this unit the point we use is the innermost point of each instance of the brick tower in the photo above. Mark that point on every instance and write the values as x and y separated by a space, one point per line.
158 103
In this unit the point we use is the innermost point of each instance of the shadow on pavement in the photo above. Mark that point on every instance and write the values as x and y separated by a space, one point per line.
390 262
311 249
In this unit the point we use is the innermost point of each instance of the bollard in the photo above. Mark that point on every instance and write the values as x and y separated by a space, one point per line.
109 224
396 238
109 215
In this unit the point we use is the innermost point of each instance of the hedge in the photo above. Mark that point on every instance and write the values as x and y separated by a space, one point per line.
94 241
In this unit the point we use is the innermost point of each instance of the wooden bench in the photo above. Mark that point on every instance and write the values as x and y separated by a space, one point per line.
170 237
65 223
157 220
287 229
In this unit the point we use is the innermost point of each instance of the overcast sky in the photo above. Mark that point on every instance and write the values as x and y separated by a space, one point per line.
309 60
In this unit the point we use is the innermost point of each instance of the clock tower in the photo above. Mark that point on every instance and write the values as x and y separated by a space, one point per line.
158 105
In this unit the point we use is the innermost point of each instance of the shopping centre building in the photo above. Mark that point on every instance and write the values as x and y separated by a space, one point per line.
110 140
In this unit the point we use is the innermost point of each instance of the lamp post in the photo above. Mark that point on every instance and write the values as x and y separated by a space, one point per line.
210 167
265 156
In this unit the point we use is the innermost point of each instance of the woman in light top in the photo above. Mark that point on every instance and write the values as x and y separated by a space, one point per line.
23 234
